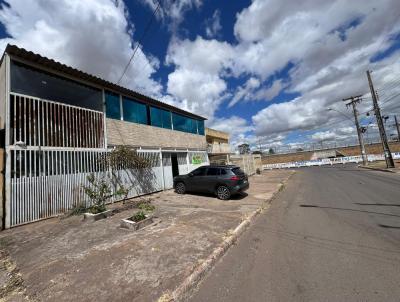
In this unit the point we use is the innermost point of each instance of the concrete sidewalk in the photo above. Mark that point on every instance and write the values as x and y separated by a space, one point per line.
381 166
68 259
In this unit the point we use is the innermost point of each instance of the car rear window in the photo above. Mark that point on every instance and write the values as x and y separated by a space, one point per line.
237 171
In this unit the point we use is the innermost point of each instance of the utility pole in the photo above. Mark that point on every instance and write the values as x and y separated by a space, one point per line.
398 128
353 102
385 144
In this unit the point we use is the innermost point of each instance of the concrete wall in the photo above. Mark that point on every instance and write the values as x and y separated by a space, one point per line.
247 162
370 149
346 151
132 134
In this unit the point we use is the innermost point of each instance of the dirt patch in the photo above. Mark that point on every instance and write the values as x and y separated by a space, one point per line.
11 282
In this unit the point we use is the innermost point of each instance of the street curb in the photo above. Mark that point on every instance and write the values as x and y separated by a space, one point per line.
184 290
377 169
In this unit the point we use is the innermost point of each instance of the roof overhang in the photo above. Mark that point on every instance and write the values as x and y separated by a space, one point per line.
38 60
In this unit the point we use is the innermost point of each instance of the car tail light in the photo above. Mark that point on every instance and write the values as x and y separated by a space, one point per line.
235 178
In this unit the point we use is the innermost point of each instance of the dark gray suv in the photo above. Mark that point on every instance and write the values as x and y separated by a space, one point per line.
224 181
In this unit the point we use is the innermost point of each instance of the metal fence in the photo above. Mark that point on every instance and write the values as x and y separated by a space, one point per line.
54 147
48 183
328 161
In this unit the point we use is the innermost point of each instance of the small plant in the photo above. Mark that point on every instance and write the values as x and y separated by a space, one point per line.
147 207
99 191
100 188
139 216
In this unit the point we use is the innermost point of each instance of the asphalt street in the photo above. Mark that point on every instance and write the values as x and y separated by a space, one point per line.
332 235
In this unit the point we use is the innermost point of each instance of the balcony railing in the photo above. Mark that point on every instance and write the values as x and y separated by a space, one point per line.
219 148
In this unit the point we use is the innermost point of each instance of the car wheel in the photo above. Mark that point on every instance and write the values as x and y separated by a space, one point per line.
180 188
223 192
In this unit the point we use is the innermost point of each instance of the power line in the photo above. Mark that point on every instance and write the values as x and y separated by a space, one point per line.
140 40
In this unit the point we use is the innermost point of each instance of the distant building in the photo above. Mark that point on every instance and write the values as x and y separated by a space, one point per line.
218 146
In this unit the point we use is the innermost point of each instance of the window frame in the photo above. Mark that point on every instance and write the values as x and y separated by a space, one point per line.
127 113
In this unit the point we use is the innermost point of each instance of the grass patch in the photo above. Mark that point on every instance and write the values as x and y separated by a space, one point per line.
139 216
147 207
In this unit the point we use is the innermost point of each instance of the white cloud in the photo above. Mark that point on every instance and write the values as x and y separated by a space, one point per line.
91 35
245 92
173 11
328 67
330 55
197 83
268 93
213 24
237 127
324 136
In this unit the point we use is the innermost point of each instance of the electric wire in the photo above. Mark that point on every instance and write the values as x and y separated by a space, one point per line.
140 41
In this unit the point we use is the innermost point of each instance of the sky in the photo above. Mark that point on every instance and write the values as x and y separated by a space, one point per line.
266 71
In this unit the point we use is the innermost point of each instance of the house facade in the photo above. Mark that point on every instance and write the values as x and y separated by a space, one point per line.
57 121
218 146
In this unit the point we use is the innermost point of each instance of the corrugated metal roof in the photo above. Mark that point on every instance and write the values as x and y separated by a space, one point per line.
29 56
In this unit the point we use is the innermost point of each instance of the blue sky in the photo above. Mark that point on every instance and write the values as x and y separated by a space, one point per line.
264 70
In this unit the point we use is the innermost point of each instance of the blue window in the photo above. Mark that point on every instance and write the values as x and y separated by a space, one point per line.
156 117
186 124
181 123
193 126
113 109
200 127
134 111
166 119
160 117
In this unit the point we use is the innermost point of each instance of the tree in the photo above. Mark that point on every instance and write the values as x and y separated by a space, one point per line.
244 149
108 183
271 151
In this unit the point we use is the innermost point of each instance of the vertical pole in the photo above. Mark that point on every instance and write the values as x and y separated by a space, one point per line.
359 134
162 169
385 144
187 161
353 103
104 142
7 221
398 128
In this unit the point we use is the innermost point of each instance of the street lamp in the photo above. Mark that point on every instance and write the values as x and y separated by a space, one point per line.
344 114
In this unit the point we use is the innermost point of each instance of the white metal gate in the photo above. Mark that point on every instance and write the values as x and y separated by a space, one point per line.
52 149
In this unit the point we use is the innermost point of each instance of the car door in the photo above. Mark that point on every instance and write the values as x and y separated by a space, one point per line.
210 180
195 181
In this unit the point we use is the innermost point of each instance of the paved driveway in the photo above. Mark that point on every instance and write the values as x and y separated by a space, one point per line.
72 260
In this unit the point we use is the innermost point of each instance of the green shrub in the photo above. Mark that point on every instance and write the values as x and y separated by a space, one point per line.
139 216
147 207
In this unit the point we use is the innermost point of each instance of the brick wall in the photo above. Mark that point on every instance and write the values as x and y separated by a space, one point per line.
125 133
346 151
